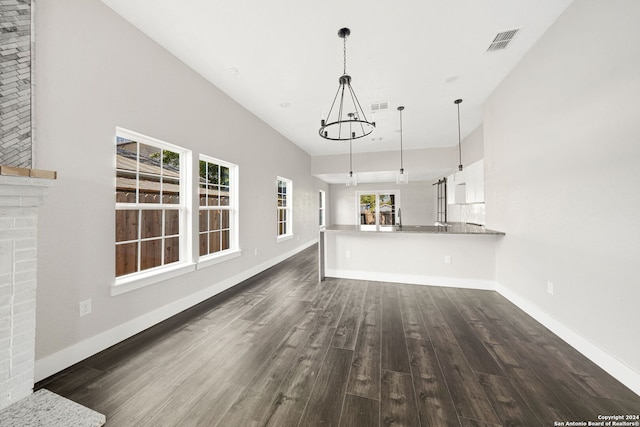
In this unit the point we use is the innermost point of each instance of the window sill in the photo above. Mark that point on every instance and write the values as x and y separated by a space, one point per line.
210 260
146 278
285 237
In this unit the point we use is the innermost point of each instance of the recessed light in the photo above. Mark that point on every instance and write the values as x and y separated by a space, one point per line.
285 104
233 71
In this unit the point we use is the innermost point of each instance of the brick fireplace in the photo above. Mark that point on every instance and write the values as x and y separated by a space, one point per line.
20 197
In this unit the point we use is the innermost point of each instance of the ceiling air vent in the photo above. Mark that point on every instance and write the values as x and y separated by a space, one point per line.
502 40
380 106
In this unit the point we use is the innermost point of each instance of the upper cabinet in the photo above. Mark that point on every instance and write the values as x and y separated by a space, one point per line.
467 186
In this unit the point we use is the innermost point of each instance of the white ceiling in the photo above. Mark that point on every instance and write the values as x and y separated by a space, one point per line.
281 59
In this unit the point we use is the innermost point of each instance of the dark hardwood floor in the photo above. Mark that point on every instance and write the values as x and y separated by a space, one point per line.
282 349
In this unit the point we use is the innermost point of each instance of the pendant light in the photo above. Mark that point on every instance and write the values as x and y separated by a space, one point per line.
458 102
351 178
334 126
402 177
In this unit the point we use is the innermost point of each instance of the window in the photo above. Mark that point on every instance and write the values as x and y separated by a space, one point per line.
321 211
377 208
218 211
151 200
284 208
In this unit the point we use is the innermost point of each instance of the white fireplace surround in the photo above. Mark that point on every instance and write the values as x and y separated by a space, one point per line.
20 197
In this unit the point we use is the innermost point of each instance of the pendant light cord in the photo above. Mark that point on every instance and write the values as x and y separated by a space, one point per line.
401 159
459 140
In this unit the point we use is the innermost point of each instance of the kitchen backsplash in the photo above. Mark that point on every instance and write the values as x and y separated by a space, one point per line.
474 213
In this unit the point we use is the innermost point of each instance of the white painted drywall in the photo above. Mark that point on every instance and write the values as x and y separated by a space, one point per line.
93 72
562 178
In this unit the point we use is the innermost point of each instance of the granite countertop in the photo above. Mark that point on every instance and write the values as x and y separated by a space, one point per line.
451 228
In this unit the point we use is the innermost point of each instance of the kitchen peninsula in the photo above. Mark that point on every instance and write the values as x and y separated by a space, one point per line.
458 254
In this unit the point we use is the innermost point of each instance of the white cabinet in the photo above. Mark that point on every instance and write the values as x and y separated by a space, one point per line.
453 182
467 186
475 182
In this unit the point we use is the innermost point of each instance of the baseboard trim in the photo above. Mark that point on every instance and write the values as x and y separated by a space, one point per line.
75 353
600 357
414 279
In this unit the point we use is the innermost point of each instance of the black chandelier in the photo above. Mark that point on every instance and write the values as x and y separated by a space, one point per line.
336 126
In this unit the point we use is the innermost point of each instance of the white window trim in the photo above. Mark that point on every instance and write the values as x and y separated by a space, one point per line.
234 216
289 209
396 193
150 276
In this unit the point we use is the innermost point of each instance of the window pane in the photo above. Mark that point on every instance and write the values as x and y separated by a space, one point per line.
149 191
151 224
150 254
203 172
387 209
170 163
150 159
213 173
224 240
214 242
225 219
203 195
126 225
213 195
224 176
126 258
204 247
171 222
126 154
224 196
125 187
170 190
203 219
171 250
367 209
214 220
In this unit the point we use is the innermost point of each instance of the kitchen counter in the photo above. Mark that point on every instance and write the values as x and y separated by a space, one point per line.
458 254
452 228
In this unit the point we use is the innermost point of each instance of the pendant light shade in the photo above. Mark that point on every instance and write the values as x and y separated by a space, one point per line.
458 102
402 177
335 125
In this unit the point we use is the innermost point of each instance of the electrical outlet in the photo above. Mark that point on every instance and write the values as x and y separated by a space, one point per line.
447 259
85 307
348 254
550 288
255 252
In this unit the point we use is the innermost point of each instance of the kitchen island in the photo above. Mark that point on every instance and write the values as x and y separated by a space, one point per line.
457 254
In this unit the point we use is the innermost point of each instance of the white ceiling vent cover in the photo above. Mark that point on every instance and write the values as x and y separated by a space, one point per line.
502 40
380 106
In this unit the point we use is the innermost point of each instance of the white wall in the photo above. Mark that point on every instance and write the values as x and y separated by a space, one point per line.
418 202
93 72
562 175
